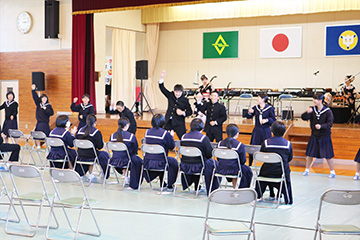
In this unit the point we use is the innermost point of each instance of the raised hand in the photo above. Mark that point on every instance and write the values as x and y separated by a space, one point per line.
75 100
33 86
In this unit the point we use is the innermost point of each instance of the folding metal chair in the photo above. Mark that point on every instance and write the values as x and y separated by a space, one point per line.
192 152
244 96
118 147
17 134
250 150
85 144
37 136
225 155
80 200
177 146
230 197
283 98
214 145
57 143
5 192
271 158
343 198
27 171
153 149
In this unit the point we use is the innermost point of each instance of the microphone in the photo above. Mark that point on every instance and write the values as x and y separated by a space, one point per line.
315 73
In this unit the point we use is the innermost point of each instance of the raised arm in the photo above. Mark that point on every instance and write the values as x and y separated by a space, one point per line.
3 106
307 115
161 85
34 95
74 107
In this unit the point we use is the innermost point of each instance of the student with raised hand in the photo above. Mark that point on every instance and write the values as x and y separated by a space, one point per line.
84 109
89 132
120 159
231 166
125 112
11 112
158 135
277 144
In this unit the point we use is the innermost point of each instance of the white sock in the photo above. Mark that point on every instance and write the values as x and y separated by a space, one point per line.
332 172
307 170
357 174
91 176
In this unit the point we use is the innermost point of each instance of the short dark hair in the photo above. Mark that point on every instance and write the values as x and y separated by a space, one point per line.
120 103
86 95
43 95
158 121
179 87
264 96
203 77
278 128
10 92
61 121
318 96
196 125
215 92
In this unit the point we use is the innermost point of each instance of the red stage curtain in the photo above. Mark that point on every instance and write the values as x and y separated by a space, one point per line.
83 59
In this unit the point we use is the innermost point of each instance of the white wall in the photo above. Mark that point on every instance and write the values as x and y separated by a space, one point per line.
180 53
11 40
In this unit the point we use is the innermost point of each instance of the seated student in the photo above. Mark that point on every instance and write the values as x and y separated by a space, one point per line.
62 131
191 165
158 135
89 132
231 166
124 112
7 147
120 159
277 144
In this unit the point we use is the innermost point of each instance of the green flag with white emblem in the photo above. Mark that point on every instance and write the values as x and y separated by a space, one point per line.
221 44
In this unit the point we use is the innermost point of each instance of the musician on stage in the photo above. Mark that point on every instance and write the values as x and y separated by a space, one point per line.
348 91
320 144
178 108
206 88
215 117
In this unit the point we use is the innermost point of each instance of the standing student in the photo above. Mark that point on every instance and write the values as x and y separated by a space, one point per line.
178 108
43 112
283 147
200 107
190 165
357 160
231 166
84 109
89 132
264 116
205 89
320 144
125 112
11 111
159 136
215 117
121 160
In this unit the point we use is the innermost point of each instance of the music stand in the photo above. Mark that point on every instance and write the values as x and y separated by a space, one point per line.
141 96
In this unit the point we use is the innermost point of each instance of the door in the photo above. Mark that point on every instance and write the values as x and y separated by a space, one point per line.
6 86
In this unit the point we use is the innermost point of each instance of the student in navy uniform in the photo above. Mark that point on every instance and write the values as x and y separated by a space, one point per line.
121 160
43 112
89 132
11 111
190 165
357 160
205 89
231 166
84 109
283 147
215 117
158 135
178 108
62 132
320 144
124 112
200 107
264 116
8 147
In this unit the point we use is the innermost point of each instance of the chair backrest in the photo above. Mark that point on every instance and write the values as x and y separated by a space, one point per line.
191 152
24 171
38 135
14 133
214 145
54 142
246 95
142 141
177 144
285 96
233 196
266 157
152 149
64 175
116 146
251 149
83 144
225 153
341 197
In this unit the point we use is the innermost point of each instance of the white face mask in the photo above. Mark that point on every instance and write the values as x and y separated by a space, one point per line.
68 124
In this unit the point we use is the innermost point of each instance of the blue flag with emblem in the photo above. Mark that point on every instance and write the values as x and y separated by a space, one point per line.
342 40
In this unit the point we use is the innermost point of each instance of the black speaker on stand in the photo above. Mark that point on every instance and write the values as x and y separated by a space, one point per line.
38 78
142 74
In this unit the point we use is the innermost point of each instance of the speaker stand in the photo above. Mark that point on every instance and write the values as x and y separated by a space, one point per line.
140 97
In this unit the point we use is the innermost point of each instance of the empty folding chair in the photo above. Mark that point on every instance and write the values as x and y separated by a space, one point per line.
272 158
191 152
288 114
342 198
153 149
5 192
80 200
40 197
241 107
232 198
57 143
17 134
38 136
119 147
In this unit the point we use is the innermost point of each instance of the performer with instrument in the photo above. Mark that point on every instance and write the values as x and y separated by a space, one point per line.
206 88
348 91
264 116
320 144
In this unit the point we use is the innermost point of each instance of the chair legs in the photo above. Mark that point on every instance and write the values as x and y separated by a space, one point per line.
148 175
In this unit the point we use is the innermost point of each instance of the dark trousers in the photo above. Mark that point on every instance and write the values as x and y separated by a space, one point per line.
217 136
173 169
180 129
103 160
72 155
13 148
261 189
135 171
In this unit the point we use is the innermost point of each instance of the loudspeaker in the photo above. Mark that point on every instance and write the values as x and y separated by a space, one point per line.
288 115
142 69
51 19
38 78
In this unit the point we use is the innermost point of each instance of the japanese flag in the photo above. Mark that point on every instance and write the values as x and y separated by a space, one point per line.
280 42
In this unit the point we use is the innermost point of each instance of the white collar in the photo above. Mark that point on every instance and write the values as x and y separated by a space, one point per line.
85 107
9 103
263 109
318 114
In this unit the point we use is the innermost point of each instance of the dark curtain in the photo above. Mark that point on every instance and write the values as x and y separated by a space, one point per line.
83 59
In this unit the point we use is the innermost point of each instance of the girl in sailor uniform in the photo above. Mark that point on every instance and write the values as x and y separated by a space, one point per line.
320 144
190 165
283 147
11 111
231 166
158 135
89 132
120 159
84 109
43 112
264 116
62 132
